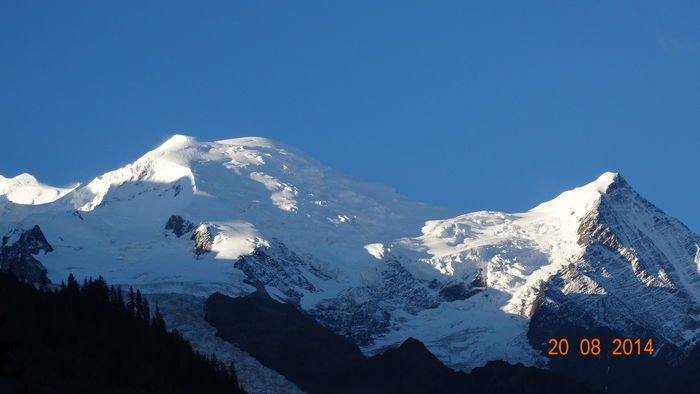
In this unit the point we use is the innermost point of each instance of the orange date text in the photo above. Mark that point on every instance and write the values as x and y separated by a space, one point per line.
594 347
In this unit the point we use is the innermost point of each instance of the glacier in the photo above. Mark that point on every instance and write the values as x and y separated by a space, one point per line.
191 218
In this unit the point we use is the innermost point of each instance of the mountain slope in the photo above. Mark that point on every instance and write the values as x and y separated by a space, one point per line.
638 275
320 361
252 215
596 256
25 189
245 192
84 339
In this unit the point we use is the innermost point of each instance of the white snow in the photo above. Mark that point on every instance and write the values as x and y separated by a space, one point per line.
250 191
282 194
376 250
25 189
247 190
235 239
517 254
577 201
517 251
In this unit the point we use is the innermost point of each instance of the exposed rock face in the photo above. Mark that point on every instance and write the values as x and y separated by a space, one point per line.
462 291
179 225
636 274
364 312
369 263
359 313
279 267
202 240
18 256
456 292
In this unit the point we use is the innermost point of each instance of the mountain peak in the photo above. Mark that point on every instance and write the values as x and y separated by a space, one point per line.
176 141
23 178
605 180
579 200
180 140
25 189
274 219
250 142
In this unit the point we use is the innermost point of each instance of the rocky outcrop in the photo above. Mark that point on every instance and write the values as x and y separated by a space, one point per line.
179 225
462 290
636 278
277 266
363 313
631 248
202 240
17 254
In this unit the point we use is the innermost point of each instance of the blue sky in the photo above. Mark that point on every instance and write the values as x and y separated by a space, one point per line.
471 105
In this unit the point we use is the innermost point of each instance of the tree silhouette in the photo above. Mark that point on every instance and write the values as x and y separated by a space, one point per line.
131 303
82 339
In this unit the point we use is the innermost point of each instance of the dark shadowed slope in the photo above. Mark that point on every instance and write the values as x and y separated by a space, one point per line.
86 339
319 361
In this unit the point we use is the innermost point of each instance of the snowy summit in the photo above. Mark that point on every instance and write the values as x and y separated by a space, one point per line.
239 215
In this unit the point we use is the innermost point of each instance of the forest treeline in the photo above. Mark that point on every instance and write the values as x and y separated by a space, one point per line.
93 338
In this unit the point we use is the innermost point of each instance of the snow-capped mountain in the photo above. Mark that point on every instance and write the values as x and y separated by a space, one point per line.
25 189
240 195
247 214
596 256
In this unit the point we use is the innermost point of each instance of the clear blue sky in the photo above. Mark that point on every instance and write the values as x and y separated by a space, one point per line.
490 105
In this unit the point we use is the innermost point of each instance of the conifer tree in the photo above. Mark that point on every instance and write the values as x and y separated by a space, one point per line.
87 343
113 295
146 311
131 303
43 280
138 304
158 322
120 297
72 287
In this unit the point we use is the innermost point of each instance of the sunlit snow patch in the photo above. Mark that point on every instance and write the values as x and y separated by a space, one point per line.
376 250
25 189
241 157
341 219
283 194
235 239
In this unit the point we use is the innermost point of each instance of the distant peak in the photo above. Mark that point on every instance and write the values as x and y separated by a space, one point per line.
580 199
176 141
250 142
26 189
21 180
24 178
604 181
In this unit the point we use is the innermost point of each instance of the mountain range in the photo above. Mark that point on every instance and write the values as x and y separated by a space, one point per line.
245 216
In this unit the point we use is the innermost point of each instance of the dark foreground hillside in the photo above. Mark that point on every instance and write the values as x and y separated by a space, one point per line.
319 361
88 339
